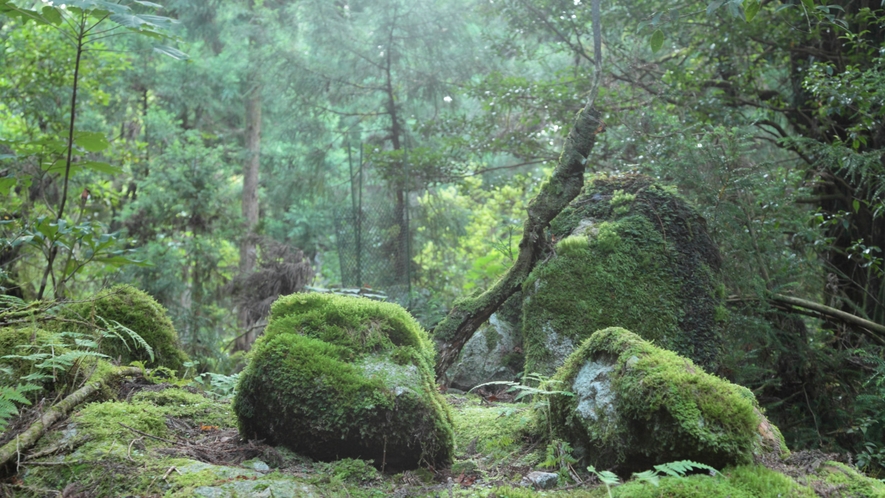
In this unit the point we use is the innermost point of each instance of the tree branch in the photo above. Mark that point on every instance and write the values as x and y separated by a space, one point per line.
832 313
564 185
29 438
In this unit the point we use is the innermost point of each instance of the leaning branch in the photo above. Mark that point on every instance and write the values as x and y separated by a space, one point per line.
563 186
29 438
833 313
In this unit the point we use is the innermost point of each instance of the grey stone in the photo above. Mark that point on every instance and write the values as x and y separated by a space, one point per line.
483 358
543 480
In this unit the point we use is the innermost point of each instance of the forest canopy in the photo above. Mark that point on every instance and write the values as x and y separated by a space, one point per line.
219 154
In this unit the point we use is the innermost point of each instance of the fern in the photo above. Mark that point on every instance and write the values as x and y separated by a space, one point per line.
606 477
115 329
68 359
680 468
221 386
9 396
673 469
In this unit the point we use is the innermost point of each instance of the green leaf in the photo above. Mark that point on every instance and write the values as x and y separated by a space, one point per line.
6 184
809 4
101 167
52 15
657 40
91 141
171 52
714 5
856 205
751 8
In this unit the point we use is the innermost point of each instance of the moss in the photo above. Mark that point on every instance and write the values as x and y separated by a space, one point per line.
139 312
750 481
640 405
496 430
361 325
338 377
846 481
630 254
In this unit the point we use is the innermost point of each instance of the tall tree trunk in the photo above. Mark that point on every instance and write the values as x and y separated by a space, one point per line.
248 252
400 185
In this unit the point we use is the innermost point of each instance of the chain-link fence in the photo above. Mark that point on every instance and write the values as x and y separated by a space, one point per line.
374 246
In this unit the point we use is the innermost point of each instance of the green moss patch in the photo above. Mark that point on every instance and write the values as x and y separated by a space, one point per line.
629 254
636 406
340 377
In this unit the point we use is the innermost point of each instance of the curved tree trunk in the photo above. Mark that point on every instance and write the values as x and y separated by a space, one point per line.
564 185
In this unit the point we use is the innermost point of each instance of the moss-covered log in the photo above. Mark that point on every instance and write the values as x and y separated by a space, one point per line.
29 438
564 185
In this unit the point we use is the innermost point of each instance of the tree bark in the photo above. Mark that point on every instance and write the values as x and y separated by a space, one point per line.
29 438
564 185
248 251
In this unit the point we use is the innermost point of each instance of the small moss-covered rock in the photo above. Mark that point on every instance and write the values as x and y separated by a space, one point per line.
631 254
636 405
341 377
136 310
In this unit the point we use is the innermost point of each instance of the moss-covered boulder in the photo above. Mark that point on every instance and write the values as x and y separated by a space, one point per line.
628 253
636 405
137 311
343 377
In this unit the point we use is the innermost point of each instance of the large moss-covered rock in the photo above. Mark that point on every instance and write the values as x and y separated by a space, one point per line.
636 405
343 377
631 254
137 311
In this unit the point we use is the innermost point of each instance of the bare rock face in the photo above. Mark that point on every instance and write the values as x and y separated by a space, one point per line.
635 405
627 253
494 353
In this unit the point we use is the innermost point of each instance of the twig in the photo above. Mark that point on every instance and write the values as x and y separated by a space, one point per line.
145 434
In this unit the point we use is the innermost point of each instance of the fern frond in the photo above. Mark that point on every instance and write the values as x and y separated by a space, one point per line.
8 397
650 476
115 329
67 360
680 468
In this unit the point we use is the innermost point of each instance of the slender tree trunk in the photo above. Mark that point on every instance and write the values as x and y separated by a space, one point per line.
248 252
400 187
53 249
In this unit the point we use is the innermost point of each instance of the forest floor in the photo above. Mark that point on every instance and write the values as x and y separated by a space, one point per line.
157 440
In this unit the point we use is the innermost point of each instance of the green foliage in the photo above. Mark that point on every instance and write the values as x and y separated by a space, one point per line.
540 388
9 396
218 385
559 458
672 469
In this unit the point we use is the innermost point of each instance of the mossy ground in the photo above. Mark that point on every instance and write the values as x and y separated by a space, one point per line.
495 447
628 253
